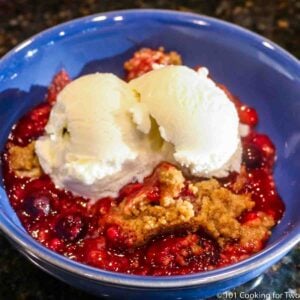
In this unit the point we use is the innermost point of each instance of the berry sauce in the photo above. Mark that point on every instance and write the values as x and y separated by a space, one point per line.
68 225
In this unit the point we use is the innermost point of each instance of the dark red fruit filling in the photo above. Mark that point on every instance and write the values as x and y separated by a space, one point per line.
36 205
252 156
32 125
67 225
248 115
70 227
60 80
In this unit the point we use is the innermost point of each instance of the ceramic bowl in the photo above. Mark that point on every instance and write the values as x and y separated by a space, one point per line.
261 73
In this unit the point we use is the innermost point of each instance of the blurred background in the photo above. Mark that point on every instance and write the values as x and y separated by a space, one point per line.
278 20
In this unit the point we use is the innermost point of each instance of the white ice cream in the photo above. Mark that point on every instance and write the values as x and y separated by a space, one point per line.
104 133
91 146
194 115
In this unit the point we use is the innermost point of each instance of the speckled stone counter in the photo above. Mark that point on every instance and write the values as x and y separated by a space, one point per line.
278 20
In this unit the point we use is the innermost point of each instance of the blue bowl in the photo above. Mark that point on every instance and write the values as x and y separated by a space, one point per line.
262 74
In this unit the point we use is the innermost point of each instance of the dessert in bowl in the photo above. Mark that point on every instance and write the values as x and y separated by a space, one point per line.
157 176
167 177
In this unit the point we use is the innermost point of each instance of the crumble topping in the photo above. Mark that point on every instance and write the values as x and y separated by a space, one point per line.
23 161
181 205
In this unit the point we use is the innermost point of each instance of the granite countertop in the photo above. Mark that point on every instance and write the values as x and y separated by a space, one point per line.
278 20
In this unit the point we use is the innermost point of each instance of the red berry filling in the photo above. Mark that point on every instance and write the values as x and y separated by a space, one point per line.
60 80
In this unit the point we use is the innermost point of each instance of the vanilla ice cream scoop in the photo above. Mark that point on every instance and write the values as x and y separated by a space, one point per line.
104 133
194 115
91 146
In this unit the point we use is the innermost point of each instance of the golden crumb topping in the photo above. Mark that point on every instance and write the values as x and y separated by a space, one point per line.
23 161
207 206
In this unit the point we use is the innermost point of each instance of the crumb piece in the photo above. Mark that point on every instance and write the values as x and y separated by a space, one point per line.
192 189
23 161
220 209
255 231
171 181
148 59
240 181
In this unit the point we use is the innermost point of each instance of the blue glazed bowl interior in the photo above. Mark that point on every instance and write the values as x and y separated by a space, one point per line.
256 70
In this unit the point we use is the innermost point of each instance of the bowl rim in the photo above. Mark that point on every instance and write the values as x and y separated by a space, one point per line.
40 252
